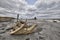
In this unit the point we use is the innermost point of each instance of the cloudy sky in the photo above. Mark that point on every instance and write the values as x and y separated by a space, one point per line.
30 8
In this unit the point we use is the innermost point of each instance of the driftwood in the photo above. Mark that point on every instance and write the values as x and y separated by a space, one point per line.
20 28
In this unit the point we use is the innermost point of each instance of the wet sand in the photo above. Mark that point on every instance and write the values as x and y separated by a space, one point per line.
45 30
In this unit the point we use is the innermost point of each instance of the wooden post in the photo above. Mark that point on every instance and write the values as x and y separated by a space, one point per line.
35 18
17 17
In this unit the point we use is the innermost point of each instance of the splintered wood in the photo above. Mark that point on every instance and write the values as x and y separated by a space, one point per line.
22 28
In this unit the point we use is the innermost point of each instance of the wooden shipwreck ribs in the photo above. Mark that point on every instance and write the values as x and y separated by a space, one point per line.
22 28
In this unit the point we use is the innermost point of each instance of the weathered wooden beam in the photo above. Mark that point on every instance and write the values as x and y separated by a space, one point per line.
17 17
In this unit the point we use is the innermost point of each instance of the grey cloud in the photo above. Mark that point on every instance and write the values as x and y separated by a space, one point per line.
41 9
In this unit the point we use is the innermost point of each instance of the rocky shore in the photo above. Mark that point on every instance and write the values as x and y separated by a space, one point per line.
44 31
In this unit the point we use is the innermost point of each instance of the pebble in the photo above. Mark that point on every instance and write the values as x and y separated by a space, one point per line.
28 39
